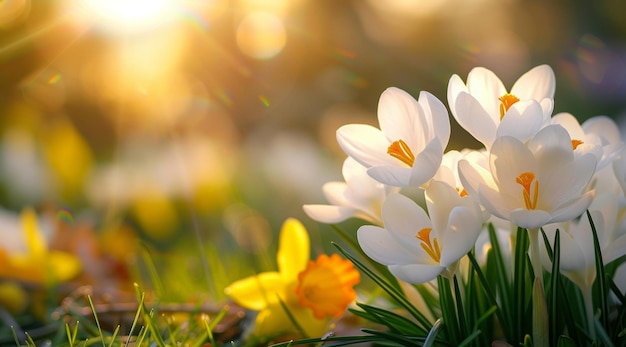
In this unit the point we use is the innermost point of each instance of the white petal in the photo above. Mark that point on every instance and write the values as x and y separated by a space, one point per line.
400 117
455 86
561 183
538 83
571 258
522 121
335 193
497 203
574 209
379 245
472 175
436 112
552 144
329 214
570 123
441 198
603 126
614 250
416 273
426 163
486 87
391 175
472 117
404 218
529 218
547 105
509 158
365 144
464 226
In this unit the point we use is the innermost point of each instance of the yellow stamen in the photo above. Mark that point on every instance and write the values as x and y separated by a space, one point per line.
525 179
432 249
506 101
576 143
462 192
400 150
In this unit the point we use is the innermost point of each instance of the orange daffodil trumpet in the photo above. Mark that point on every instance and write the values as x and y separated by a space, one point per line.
407 149
301 297
484 107
416 247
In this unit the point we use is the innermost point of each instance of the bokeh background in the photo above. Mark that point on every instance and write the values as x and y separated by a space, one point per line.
185 132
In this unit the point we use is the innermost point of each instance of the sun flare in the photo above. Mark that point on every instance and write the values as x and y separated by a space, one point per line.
130 15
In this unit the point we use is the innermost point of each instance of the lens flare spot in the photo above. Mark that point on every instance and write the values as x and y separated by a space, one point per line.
54 79
261 35
264 100
65 215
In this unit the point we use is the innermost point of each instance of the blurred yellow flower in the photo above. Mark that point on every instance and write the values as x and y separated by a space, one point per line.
37 264
302 296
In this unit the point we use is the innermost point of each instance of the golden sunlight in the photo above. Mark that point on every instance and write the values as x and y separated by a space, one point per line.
130 15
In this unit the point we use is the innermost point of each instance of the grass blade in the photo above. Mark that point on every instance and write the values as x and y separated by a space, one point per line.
448 311
389 289
554 290
95 316
432 334
491 296
600 276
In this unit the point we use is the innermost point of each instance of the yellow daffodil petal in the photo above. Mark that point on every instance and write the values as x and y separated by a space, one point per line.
293 249
34 240
63 266
256 292
274 321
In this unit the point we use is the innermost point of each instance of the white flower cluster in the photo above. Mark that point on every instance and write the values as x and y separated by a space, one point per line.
535 171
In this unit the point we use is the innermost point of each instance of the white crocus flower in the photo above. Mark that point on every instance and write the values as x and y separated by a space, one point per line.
417 248
407 149
359 196
598 135
484 108
535 184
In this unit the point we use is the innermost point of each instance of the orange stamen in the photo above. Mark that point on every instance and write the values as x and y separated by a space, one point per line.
525 179
576 143
432 249
400 150
462 192
506 101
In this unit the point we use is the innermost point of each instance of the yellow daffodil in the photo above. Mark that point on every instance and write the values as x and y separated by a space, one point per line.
301 297
37 264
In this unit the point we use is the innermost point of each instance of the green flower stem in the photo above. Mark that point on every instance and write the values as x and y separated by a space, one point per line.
588 298
540 332
533 236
